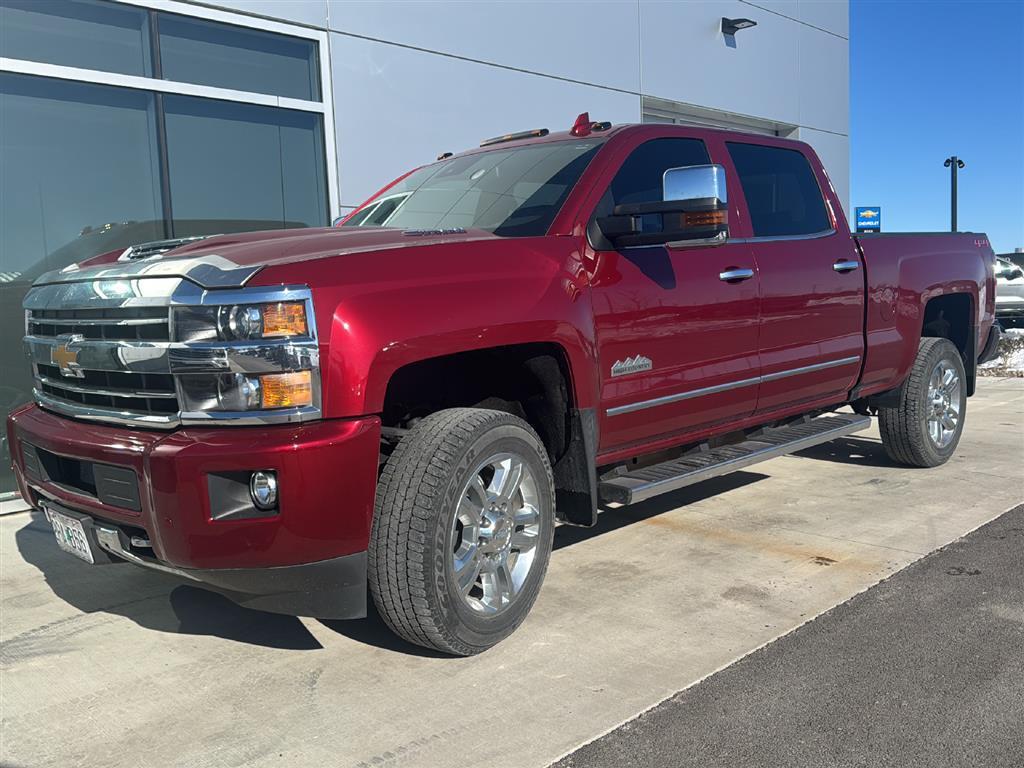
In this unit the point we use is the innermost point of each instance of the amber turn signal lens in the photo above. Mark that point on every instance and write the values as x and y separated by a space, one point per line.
287 390
705 218
284 319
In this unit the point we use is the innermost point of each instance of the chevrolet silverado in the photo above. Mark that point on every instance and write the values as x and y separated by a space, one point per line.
405 405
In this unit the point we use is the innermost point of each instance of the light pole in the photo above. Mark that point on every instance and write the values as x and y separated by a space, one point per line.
954 163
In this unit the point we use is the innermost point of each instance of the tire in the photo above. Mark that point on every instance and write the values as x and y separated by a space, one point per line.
448 471
908 430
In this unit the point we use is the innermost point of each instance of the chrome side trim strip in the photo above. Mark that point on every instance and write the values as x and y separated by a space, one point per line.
630 407
778 238
810 368
667 399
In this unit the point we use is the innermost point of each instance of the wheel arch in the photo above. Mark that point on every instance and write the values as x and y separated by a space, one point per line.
533 381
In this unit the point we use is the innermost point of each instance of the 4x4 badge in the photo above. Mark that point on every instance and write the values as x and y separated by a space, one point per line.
631 365
65 358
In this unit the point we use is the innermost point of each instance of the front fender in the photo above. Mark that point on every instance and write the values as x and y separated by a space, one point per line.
377 312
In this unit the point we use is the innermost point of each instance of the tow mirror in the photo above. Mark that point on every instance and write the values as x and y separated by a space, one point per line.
693 211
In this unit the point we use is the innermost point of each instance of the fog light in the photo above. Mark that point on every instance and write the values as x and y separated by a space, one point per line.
263 489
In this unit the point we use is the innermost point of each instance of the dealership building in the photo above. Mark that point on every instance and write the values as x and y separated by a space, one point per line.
126 122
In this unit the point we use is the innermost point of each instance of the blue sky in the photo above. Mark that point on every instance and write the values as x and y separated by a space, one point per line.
929 80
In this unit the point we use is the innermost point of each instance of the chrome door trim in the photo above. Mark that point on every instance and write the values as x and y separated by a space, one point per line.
777 238
810 368
679 396
846 265
665 400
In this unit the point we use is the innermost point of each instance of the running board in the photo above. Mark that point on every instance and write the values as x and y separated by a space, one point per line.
640 484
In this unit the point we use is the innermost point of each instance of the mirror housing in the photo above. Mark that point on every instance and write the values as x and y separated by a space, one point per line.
693 212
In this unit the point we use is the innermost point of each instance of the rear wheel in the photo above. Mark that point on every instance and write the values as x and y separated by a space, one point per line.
925 428
462 530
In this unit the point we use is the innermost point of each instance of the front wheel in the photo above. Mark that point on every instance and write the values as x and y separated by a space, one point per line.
924 429
462 530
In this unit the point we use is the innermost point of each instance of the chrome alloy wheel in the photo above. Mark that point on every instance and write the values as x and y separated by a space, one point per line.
943 406
494 533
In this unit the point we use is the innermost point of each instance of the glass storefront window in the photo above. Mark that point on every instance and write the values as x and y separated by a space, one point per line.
78 176
90 34
269 166
226 56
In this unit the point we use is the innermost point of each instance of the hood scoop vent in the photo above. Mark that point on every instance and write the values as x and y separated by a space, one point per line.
156 247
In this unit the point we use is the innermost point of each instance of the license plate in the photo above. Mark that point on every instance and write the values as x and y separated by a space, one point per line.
70 535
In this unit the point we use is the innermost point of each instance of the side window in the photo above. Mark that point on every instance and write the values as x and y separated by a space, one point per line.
639 178
782 194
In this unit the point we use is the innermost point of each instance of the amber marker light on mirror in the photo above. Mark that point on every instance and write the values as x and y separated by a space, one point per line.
287 390
705 218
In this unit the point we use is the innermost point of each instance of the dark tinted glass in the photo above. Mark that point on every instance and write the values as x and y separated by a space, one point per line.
243 167
78 177
782 194
92 34
513 192
639 178
226 56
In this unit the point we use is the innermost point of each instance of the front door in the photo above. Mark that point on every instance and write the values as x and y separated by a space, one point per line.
676 328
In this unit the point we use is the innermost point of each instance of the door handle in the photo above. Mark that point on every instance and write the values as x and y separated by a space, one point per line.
735 275
844 265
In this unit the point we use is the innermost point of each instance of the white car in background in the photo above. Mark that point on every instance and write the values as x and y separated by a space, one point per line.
1009 293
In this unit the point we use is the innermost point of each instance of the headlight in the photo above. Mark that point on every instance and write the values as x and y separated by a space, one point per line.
246 392
247 358
241 322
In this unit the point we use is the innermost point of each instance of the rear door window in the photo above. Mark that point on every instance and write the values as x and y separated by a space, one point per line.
782 194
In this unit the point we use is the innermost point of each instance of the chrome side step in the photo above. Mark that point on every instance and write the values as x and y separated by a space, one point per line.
640 484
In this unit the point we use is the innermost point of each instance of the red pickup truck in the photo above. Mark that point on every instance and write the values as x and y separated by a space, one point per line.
406 404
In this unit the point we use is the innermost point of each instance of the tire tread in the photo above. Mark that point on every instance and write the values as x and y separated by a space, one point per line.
399 556
900 427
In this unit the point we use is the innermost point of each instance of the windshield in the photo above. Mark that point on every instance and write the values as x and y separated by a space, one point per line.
514 192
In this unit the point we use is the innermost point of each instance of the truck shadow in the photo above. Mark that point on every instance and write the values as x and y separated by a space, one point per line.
862 452
614 518
152 600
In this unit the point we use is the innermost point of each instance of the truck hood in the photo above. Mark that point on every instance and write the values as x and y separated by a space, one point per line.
229 261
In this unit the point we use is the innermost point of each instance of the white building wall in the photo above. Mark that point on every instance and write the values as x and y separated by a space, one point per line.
414 78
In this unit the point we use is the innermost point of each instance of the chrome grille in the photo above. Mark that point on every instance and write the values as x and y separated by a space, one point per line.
139 392
116 324
142 397
104 345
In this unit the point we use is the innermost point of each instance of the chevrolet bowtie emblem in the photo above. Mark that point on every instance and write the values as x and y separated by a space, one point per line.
65 357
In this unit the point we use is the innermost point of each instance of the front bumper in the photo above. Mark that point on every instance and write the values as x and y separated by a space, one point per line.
308 559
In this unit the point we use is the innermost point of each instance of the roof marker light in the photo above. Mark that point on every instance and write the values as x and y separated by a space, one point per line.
582 126
536 133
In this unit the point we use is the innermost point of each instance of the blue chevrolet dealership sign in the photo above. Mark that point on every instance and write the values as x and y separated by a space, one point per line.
869 218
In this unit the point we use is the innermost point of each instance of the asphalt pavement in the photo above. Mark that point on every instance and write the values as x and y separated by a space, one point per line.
925 669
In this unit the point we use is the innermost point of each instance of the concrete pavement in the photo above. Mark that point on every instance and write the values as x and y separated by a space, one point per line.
116 666
922 670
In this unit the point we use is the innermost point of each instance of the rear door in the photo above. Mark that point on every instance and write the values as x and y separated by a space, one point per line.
812 279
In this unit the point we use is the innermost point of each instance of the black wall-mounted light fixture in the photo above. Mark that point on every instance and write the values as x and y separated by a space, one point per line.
731 26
